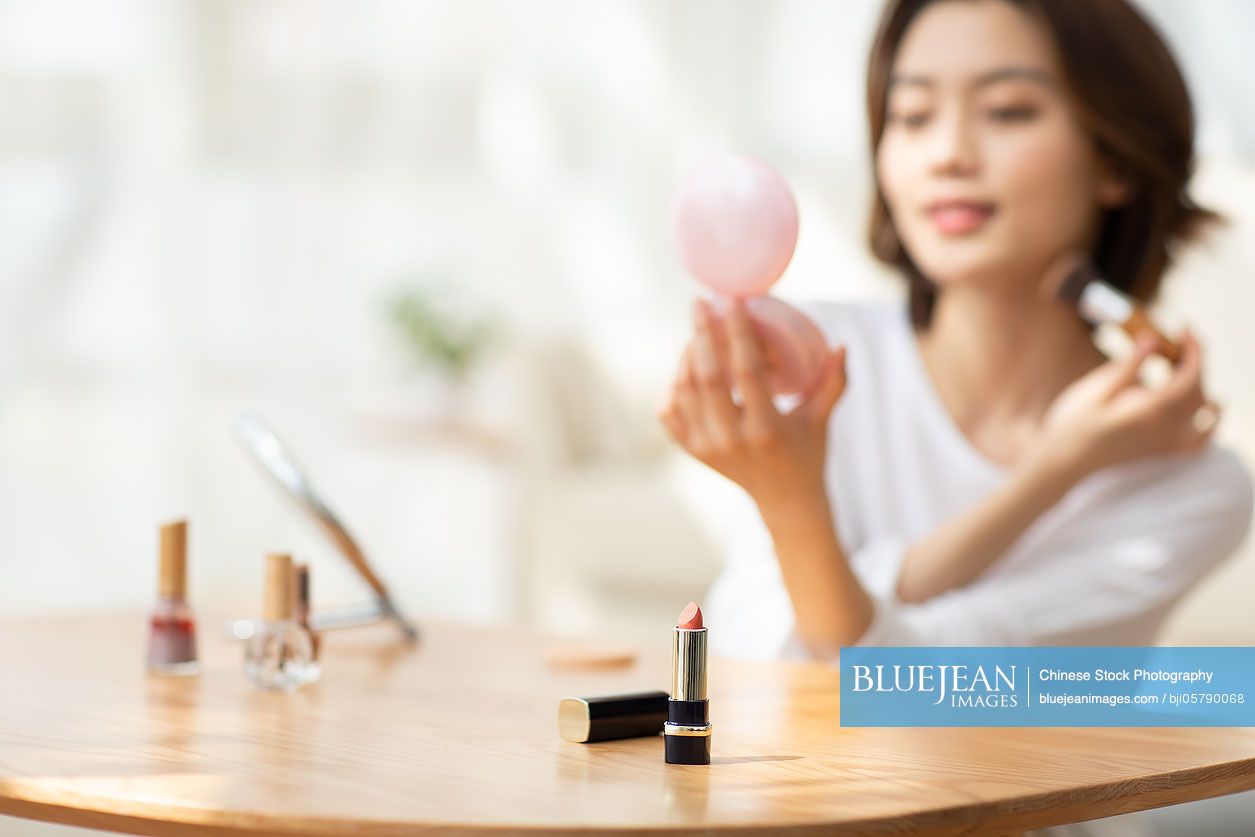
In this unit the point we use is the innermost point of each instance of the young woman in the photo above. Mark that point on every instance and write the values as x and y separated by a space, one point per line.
986 477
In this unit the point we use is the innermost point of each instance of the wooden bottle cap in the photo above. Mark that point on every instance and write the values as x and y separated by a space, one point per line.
172 562
278 600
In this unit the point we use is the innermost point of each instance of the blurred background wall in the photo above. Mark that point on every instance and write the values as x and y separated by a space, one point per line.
210 206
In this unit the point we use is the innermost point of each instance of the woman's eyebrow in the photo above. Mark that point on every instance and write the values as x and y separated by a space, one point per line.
984 79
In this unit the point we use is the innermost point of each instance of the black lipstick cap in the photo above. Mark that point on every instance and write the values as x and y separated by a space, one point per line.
587 719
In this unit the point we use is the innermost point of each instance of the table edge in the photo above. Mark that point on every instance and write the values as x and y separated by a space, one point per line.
1042 810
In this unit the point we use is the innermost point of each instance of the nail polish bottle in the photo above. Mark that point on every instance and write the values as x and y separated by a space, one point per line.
172 629
302 606
280 655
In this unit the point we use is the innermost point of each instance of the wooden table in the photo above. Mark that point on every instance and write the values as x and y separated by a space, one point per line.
458 736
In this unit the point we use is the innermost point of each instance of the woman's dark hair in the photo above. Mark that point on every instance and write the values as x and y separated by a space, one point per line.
1132 100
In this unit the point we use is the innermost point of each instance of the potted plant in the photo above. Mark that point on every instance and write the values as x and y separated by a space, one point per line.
440 341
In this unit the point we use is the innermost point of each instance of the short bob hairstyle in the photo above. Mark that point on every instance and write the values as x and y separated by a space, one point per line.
1131 98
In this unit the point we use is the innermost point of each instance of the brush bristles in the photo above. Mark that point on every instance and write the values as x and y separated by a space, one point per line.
1069 290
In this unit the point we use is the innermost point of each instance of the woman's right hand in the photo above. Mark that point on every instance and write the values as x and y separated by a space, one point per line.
772 455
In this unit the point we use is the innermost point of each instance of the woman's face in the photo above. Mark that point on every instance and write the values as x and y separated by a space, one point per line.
986 172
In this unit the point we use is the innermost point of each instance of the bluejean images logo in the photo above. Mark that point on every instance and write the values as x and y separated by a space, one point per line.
1048 686
963 686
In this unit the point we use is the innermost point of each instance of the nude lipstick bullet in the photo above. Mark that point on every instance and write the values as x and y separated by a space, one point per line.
687 730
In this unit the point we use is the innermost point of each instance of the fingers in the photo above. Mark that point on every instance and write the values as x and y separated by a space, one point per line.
678 412
1187 418
818 406
684 394
710 376
668 410
1185 399
1180 405
1126 372
749 366
1183 394
671 420
1202 426
700 413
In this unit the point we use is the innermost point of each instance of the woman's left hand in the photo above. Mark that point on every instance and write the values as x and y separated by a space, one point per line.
1108 417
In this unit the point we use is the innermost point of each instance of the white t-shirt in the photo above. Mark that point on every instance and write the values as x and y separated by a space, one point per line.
1102 567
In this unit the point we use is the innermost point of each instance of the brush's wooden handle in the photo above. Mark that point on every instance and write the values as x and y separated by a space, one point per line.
1139 323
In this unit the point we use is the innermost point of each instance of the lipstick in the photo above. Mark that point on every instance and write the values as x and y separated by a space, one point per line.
687 730
1100 303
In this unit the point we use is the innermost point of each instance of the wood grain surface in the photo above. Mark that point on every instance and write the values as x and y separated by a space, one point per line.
458 736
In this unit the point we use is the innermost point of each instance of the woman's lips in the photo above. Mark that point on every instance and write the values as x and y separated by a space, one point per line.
959 217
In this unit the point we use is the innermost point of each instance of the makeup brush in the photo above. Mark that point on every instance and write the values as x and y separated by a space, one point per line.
1098 302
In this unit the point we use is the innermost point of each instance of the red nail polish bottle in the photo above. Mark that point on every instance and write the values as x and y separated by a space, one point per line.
172 630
